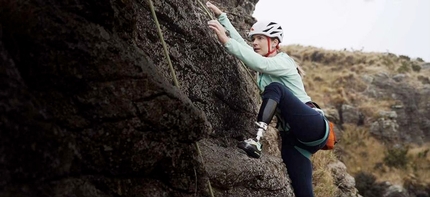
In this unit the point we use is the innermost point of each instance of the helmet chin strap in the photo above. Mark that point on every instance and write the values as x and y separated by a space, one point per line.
268 47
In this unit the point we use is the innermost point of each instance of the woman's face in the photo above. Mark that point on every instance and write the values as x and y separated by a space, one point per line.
259 44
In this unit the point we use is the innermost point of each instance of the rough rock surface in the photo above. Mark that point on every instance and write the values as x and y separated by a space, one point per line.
345 181
409 120
88 107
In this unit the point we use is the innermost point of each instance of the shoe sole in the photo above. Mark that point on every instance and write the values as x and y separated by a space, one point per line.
249 152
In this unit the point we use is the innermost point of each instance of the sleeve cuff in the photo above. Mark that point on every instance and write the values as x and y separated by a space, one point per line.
228 44
222 16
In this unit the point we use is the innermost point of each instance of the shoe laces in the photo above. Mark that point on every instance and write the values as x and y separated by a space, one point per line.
253 142
261 125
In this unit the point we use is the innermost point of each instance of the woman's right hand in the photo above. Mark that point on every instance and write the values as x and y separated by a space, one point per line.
219 30
213 8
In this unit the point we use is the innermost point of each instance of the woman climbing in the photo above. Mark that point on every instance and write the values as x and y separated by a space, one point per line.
304 129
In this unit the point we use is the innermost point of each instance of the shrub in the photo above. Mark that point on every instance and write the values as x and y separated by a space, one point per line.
416 187
386 61
405 67
416 67
404 57
423 79
397 157
367 186
423 154
420 59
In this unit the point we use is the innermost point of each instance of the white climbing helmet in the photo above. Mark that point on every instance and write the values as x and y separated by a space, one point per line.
267 28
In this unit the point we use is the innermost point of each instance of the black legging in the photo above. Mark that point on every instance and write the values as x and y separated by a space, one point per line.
306 125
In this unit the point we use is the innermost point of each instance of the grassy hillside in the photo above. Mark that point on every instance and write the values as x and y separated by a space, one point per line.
334 78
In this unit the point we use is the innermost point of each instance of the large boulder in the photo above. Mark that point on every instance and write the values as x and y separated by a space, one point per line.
409 120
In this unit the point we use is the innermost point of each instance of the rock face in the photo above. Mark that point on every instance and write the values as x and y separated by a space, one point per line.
345 181
84 110
409 120
88 107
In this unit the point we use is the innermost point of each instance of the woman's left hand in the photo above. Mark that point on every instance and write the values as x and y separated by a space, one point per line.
219 30
214 9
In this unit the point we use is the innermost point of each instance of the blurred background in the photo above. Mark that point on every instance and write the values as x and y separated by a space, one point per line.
395 26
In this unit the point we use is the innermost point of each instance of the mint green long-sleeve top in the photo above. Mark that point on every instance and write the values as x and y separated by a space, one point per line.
280 68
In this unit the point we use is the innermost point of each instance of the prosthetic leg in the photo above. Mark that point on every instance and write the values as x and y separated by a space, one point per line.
252 146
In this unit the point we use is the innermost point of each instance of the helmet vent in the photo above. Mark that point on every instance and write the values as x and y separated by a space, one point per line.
268 29
274 32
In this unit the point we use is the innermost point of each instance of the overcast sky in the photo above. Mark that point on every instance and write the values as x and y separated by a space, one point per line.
401 27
